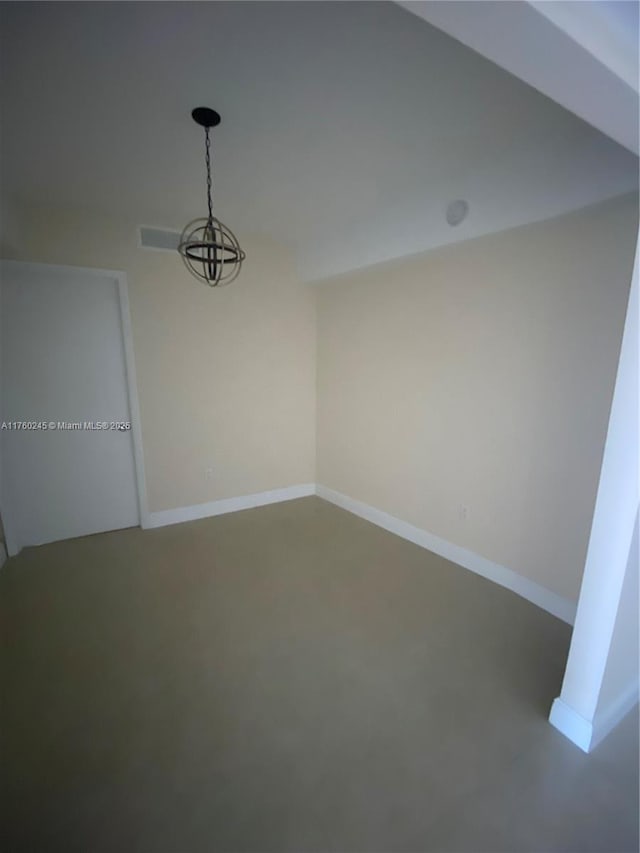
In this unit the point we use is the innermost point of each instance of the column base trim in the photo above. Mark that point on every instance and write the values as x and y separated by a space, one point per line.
569 723
587 734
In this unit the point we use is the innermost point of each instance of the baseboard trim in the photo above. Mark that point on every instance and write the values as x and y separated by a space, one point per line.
553 603
191 513
571 724
606 721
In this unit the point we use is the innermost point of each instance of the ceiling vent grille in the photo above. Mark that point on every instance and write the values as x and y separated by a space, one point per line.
159 238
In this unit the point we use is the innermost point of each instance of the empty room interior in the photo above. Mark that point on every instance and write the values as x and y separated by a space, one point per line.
319 427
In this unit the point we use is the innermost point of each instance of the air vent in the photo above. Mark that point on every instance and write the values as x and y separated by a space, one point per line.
159 238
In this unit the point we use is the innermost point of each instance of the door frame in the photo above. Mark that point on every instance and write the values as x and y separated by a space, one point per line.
120 277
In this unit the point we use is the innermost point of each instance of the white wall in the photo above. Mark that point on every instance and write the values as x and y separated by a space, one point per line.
481 376
226 378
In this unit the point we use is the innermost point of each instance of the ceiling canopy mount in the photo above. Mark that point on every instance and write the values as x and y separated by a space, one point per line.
206 117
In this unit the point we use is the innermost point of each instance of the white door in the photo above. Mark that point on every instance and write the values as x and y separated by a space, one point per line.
66 451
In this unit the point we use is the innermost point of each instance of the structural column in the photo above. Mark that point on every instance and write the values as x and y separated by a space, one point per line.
603 616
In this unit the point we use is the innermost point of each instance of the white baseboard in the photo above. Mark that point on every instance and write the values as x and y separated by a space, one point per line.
191 513
606 720
553 603
571 724
3 554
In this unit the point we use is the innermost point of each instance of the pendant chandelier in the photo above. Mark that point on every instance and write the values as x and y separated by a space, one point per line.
209 249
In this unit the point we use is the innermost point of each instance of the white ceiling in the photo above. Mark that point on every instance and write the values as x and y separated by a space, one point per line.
581 53
609 29
347 127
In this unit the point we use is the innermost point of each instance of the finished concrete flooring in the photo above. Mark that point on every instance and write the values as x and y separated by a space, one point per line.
288 678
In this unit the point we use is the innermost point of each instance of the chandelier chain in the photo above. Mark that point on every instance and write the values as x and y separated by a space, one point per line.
208 159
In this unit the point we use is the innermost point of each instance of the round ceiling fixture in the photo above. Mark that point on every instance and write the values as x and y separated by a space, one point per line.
457 211
209 248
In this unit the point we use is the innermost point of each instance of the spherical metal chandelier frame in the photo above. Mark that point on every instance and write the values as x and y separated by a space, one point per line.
211 252
210 249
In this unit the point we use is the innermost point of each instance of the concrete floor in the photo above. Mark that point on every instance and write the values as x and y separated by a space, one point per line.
288 678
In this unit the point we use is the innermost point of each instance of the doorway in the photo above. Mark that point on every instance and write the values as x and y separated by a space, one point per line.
70 441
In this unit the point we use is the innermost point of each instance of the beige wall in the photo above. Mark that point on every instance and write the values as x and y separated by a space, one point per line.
226 378
481 375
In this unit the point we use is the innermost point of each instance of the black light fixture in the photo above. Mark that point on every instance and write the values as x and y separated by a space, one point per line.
209 249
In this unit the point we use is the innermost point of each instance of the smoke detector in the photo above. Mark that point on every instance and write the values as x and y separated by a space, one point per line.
457 211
